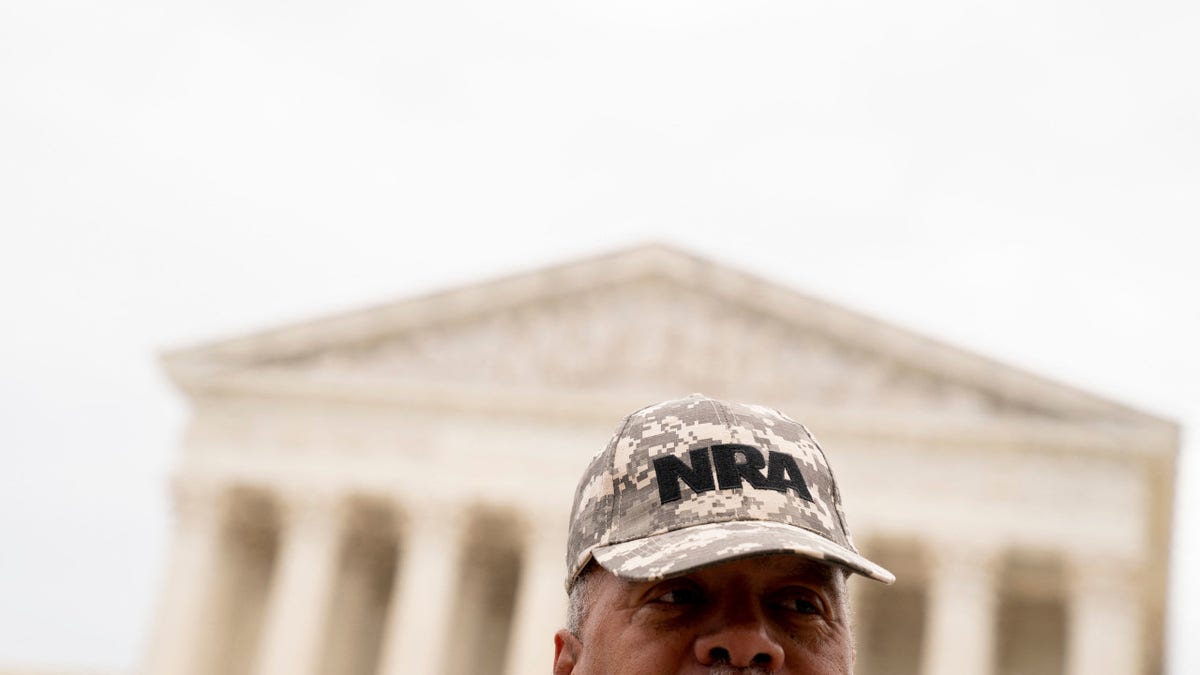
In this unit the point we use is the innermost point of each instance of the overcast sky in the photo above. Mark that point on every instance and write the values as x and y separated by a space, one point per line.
1017 178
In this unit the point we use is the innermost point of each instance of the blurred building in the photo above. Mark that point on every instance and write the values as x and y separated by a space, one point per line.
386 491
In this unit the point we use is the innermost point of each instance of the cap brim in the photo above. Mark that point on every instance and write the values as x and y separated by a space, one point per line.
688 549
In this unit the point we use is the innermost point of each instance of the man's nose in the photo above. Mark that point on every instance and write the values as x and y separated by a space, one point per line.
741 643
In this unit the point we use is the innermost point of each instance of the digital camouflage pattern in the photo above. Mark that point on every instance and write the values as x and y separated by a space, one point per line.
620 519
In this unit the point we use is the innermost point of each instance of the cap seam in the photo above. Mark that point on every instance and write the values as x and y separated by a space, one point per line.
833 486
721 416
612 477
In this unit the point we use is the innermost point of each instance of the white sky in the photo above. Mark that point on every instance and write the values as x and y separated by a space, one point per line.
1016 178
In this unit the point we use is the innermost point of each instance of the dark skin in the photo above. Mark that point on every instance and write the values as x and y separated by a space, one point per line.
782 614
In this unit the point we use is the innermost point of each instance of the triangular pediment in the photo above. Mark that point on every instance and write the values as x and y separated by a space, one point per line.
645 335
651 321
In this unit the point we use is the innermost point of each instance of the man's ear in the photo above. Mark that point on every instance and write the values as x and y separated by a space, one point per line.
566 652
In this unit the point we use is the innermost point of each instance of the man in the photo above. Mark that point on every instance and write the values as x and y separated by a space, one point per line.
708 537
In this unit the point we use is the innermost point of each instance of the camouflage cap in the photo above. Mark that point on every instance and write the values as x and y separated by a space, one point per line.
696 481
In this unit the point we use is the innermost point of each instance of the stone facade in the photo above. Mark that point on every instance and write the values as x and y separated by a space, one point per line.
387 491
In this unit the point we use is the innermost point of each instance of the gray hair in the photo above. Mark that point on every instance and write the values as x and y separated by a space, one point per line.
579 598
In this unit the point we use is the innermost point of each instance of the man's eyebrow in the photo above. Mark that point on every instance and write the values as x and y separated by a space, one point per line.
803 567
819 573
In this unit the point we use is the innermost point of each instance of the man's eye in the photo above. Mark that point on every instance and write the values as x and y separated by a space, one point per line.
680 596
803 606
800 604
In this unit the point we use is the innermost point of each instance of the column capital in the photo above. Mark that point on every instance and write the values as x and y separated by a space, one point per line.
198 499
426 516
542 530
1087 575
308 508
953 550
963 563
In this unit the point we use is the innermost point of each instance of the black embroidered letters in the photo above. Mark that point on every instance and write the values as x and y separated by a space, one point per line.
732 466
670 470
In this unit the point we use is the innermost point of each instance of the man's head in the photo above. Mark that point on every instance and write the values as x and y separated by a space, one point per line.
709 537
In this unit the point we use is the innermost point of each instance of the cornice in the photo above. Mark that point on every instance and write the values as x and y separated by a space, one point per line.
600 408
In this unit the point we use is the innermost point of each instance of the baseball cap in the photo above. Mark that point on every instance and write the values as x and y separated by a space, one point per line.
696 481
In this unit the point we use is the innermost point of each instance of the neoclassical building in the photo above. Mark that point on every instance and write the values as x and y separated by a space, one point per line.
386 491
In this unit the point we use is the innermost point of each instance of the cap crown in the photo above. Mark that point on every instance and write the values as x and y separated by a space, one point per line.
698 460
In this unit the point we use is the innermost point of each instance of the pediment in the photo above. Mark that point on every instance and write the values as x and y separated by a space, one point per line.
649 321
646 335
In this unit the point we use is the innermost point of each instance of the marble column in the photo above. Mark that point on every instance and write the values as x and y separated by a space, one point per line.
960 621
299 599
1104 617
541 601
418 623
179 645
